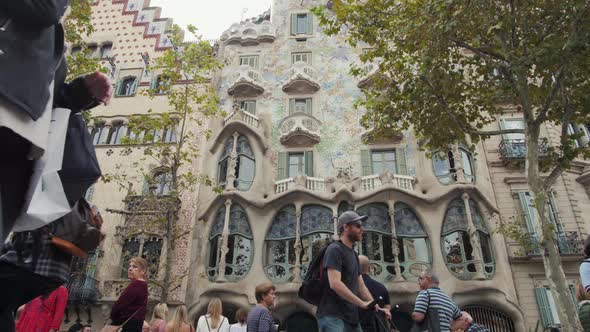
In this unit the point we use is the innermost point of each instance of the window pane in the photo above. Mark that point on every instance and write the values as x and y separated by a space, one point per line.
514 124
441 166
296 164
300 105
245 176
486 249
552 306
301 23
466 161
452 248
416 250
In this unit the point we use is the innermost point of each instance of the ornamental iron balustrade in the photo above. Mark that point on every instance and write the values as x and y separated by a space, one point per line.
568 243
511 149
493 319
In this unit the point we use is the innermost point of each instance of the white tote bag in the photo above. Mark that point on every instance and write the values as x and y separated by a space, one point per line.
45 200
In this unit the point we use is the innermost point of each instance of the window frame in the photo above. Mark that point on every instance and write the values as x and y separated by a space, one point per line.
300 164
301 55
252 61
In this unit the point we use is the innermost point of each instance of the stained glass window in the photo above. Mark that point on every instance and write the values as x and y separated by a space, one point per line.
151 251
456 242
414 247
223 164
316 231
239 256
130 249
378 220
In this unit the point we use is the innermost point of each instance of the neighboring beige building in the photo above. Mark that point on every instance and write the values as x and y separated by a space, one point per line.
290 157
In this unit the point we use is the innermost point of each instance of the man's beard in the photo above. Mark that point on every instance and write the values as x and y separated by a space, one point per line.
353 237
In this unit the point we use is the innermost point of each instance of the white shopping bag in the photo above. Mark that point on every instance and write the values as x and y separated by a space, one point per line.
45 199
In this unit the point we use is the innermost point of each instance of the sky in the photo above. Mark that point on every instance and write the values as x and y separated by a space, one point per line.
211 17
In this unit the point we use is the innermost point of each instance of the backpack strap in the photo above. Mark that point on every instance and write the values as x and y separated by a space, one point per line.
206 321
221 323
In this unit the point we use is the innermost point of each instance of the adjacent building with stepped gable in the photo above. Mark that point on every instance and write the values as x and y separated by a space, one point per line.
290 157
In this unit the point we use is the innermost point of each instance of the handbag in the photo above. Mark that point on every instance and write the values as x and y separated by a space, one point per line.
78 233
430 322
117 328
80 168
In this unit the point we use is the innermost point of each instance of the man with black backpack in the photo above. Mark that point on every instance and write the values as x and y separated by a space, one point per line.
346 291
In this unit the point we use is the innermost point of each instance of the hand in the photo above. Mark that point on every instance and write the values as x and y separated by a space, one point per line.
386 312
100 87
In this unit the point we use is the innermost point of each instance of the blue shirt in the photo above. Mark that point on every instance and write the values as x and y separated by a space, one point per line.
585 274
447 309
260 320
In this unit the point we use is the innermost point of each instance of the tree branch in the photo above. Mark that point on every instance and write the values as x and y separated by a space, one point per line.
479 51
551 97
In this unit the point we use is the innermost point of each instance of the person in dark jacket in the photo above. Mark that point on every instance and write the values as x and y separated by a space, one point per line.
130 308
32 83
372 321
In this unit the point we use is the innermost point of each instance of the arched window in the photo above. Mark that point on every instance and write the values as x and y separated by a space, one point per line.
150 249
456 242
240 252
245 166
116 133
445 166
126 86
280 246
106 50
412 241
413 244
160 184
377 240
99 134
316 231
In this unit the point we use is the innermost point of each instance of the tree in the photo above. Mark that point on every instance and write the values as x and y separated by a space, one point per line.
168 140
447 67
77 25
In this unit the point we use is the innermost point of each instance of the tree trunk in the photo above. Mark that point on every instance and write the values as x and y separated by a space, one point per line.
169 256
565 306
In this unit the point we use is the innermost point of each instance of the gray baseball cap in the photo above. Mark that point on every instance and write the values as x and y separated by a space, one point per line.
349 217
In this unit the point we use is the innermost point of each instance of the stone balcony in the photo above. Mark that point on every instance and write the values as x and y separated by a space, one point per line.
368 70
245 81
303 79
299 129
365 183
244 116
249 34
112 289
376 181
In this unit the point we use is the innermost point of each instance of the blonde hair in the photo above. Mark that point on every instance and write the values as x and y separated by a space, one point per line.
160 312
214 311
180 317
141 263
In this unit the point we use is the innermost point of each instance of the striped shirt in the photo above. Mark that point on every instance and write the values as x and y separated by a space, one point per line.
260 320
447 309
476 328
585 274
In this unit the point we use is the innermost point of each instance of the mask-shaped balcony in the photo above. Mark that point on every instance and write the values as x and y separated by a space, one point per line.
303 79
246 82
299 129
369 72
249 34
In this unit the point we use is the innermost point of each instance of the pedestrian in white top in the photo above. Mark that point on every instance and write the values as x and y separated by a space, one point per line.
213 321
241 318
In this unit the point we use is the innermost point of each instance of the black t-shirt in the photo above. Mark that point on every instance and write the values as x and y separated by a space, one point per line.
342 258
367 318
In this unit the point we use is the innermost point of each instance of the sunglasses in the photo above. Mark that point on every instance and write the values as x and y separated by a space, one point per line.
355 224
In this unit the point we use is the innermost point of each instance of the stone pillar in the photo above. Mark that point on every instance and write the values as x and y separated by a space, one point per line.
224 240
233 163
394 244
298 246
474 238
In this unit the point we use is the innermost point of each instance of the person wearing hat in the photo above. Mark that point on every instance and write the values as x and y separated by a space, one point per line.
338 309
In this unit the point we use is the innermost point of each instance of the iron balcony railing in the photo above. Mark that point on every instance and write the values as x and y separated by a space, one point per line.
569 243
82 289
516 148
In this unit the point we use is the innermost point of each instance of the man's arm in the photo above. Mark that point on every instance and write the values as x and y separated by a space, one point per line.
336 284
420 308
364 291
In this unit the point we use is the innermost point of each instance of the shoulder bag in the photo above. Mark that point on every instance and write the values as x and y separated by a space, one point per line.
117 328
431 320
